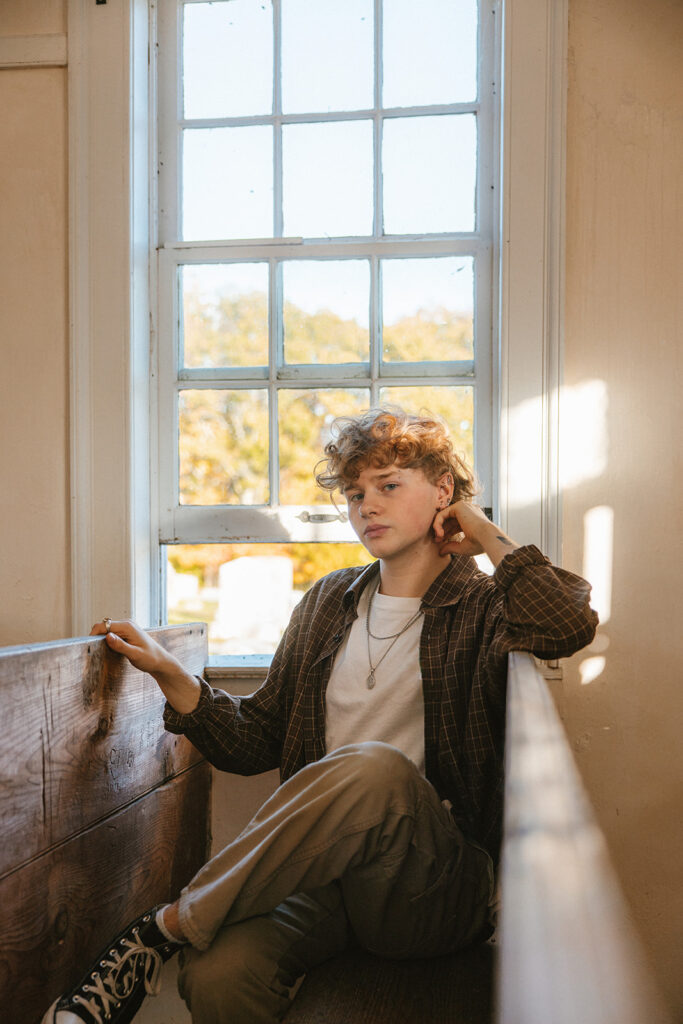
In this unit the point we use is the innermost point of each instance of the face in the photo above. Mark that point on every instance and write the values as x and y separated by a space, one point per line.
392 509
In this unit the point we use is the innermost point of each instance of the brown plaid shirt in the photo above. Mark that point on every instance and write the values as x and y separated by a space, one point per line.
471 622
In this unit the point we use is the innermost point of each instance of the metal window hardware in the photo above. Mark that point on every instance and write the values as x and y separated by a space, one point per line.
322 517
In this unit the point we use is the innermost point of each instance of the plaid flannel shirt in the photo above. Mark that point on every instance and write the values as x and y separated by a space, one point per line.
471 622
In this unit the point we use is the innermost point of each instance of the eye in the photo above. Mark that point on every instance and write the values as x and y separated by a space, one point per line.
356 497
390 487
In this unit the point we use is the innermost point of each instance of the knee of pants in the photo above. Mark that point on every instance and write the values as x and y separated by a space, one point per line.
233 975
379 768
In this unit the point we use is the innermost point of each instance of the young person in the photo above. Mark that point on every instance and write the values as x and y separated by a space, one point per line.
384 710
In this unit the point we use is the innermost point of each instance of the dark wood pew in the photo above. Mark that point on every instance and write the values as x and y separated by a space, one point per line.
102 813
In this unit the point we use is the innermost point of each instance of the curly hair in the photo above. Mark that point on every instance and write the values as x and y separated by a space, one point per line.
381 437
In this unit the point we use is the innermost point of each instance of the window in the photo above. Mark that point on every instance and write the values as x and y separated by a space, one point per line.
326 230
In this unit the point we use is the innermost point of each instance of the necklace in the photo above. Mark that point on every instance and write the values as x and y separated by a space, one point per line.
370 681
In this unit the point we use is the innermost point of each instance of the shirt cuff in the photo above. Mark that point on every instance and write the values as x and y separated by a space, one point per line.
176 722
512 565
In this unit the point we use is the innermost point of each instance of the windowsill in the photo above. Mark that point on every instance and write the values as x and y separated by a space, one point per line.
254 667
237 666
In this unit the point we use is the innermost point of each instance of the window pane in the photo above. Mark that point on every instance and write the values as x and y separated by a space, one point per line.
431 58
304 423
227 183
326 311
228 59
327 55
246 592
327 179
429 171
454 405
225 314
427 309
223 441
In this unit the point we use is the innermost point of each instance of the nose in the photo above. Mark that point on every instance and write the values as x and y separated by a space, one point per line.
368 506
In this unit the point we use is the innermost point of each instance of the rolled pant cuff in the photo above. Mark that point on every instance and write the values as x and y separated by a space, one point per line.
200 940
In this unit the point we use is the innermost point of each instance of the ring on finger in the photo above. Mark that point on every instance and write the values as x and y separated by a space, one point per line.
107 623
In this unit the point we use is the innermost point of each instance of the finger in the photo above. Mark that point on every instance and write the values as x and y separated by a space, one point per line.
129 632
445 521
118 644
105 625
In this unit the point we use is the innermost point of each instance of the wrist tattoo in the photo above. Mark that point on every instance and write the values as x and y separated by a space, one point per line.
504 540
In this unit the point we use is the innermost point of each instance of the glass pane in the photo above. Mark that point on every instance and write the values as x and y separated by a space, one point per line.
228 59
327 55
225 314
454 405
247 592
304 425
429 168
223 447
227 183
327 179
427 309
431 58
326 311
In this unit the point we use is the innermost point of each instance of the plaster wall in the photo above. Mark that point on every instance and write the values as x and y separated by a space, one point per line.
622 699
34 453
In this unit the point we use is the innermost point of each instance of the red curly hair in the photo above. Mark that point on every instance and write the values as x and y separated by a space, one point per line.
381 437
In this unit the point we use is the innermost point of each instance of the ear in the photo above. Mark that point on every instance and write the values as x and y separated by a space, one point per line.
445 487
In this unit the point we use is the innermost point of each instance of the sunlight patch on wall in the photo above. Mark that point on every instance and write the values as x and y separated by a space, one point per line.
591 668
598 543
583 441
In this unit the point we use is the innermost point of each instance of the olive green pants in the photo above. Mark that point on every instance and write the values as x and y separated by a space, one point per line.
355 848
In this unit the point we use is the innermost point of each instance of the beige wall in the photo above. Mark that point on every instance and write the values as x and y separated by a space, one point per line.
34 449
624 317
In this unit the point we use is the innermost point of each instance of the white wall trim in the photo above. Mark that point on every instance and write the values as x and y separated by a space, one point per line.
80 426
39 51
109 310
531 269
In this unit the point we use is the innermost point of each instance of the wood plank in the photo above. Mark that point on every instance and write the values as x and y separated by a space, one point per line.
83 735
568 948
61 909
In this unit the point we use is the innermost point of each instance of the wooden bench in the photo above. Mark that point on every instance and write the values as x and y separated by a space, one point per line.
104 814
566 952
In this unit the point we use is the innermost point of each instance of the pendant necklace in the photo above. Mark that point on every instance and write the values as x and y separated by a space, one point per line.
370 681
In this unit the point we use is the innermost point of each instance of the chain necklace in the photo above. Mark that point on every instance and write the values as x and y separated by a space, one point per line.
370 681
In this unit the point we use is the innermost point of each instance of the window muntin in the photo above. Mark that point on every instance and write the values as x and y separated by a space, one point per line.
326 243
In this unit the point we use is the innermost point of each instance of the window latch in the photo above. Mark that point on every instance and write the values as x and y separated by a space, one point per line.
322 517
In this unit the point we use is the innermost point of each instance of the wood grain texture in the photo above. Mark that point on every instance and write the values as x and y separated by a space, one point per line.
103 814
568 949
61 909
82 736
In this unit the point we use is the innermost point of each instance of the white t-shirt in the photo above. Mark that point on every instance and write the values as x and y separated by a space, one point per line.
392 711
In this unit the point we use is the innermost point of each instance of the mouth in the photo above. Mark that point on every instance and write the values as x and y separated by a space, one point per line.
375 530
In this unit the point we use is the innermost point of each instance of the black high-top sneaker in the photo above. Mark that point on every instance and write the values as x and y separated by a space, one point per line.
124 973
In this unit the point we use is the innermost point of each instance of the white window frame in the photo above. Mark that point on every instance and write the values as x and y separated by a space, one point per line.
287 523
115 519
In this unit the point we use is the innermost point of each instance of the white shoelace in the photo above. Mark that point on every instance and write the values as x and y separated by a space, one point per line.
118 983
